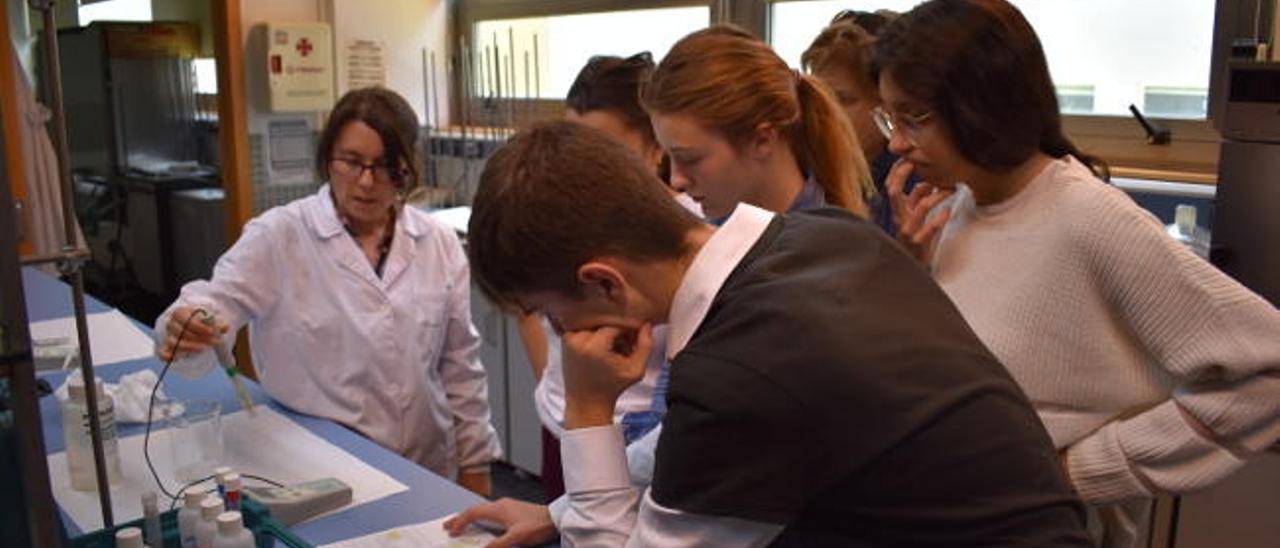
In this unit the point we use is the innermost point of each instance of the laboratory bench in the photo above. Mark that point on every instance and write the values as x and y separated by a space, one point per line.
427 498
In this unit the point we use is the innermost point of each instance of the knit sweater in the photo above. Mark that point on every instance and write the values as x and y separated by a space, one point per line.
1154 370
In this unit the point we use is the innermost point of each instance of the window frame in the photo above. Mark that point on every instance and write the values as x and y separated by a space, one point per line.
467 13
1192 156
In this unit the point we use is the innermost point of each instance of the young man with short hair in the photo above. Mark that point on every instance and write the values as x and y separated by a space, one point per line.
823 389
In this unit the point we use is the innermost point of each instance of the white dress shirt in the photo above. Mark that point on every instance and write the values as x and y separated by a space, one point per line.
393 357
605 508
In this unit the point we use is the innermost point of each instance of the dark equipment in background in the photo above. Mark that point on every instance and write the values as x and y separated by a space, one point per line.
136 133
1246 232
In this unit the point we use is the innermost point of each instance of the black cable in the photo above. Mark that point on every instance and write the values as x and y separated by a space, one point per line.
146 437
174 502
272 483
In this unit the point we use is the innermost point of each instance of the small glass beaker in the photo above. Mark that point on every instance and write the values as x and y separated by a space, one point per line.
195 438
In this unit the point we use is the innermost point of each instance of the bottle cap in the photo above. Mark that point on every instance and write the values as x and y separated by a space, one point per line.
1185 217
75 387
219 472
231 481
229 523
210 508
192 499
129 537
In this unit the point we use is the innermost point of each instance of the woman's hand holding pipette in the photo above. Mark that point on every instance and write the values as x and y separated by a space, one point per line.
199 335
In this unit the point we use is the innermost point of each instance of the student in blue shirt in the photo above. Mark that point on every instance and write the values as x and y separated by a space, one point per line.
841 57
604 96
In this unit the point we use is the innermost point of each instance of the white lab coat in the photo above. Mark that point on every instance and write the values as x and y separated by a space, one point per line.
395 358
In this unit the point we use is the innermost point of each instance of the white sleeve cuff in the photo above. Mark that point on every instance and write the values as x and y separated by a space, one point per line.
594 459
1100 470
557 508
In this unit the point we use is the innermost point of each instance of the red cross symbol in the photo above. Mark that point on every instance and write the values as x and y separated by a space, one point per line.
304 47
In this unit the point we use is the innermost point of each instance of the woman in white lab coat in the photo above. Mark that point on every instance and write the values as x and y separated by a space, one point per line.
358 308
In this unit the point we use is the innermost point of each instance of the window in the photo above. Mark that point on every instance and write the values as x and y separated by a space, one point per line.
1104 55
115 10
565 43
206 75
794 25
1075 99
1175 102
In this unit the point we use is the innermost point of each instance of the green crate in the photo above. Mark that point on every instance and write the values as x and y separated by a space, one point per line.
257 519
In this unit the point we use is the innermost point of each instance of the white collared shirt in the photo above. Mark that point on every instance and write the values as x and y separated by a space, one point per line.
393 357
605 508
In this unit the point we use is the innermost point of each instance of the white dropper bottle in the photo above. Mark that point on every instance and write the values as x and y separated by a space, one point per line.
231 532
207 527
188 517
129 537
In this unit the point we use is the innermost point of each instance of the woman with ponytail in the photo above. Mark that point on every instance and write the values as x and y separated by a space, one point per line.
741 126
1152 371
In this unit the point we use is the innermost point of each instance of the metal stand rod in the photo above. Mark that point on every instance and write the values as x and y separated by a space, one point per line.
16 364
71 268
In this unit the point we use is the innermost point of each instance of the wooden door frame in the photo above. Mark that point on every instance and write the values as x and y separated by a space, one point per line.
233 116
233 135
11 122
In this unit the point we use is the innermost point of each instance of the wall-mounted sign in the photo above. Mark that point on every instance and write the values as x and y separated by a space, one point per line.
300 67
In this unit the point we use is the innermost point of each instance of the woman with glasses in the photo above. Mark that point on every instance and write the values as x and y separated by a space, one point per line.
1152 371
358 308
841 58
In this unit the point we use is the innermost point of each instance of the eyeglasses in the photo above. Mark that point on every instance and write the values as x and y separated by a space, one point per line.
909 124
347 169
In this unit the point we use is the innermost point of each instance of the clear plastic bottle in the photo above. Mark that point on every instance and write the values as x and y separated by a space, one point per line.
129 537
151 517
75 434
231 532
1185 230
188 517
207 527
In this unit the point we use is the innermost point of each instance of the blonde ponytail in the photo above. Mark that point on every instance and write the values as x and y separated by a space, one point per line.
829 148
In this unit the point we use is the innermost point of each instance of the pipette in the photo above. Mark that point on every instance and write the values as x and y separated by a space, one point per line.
228 363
